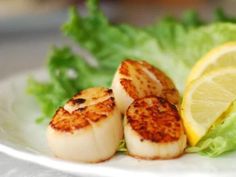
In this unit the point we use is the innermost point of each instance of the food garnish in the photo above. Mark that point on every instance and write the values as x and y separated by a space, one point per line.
205 100
220 57
221 137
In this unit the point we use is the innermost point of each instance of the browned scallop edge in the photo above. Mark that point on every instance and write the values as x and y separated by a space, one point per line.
78 98
127 83
124 67
68 122
130 88
169 90
158 123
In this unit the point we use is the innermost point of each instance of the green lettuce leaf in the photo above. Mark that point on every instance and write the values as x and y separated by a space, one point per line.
122 147
221 138
110 44
68 73
200 40
173 45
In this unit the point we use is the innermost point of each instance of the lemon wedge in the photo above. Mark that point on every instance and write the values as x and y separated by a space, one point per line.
219 57
205 100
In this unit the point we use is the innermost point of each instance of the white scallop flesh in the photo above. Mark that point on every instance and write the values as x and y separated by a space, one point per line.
88 128
153 134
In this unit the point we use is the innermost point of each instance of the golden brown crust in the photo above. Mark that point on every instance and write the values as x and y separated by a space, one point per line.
63 121
168 91
89 95
82 116
130 88
124 68
165 88
155 119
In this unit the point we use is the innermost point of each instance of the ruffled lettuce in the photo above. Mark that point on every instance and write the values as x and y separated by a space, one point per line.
171 44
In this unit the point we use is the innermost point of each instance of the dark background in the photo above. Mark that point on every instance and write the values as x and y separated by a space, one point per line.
131 11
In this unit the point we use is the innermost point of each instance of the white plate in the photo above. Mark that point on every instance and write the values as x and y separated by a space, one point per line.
22 138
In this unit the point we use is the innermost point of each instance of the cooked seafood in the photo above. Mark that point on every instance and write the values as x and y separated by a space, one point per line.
153 129
88 128
137 79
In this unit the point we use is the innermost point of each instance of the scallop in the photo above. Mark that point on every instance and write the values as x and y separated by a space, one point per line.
138 79
153 129
88 128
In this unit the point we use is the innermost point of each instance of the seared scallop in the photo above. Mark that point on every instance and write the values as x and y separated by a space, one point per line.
153 129
138 79
88 128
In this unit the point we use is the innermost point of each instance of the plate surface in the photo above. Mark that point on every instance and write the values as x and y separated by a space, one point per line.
22 138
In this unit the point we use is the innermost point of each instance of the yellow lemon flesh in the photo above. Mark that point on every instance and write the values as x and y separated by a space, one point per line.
219 57
205 100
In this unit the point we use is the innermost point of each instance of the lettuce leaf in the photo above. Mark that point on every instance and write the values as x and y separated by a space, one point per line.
109 44
221 138
173 45
68 73
201 40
